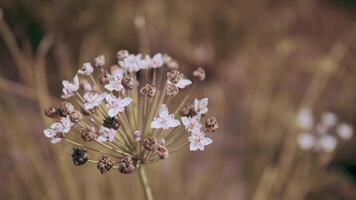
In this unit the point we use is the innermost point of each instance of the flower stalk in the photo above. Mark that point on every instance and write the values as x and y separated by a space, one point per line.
144 182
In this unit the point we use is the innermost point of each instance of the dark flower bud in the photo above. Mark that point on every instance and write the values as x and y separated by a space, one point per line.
211 125
162 152
88 134
127 165
174 76
199 74
61 112
111 122
79 156
150 144
172 90
105 164
148 90
127 82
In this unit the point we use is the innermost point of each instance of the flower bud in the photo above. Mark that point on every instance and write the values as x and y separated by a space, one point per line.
104 77
148 90
199 74
105 164
211 125
51 112
137 135
127 82
162 152
172 90
79 156
75 117
174 76
127 165
88 134
150 144
67 107
111 122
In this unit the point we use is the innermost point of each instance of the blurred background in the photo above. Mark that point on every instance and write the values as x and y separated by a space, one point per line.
264 60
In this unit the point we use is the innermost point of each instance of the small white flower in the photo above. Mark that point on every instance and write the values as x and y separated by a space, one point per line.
116 71
328 119
99 61
146 62
199 141
201 106
157 61
191 123
106 134
93 99
327 143
57 130
306 141
70 88
345 131
114 83
86 69
116 104
181 84
164 119
305 119
131 63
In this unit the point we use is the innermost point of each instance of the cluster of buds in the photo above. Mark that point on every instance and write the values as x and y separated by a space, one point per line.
323 135
130 113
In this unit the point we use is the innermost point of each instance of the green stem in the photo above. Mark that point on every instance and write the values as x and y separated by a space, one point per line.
144 182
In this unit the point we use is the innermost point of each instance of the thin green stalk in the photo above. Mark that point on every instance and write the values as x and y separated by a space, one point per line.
144 183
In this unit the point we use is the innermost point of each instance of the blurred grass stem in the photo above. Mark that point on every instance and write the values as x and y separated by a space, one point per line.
144 183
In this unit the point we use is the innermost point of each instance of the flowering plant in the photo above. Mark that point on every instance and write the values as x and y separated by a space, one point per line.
130 114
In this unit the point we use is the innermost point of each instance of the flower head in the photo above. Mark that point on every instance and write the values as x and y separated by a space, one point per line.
123 113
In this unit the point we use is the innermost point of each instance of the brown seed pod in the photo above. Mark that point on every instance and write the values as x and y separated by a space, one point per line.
148 90
150 144
105 164
126 165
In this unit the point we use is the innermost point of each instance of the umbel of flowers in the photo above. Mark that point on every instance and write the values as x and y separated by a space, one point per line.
321 136
132 113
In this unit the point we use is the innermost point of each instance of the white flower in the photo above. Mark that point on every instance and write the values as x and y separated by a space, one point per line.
305 119
327 143
131 63
70 88
106 134
198 141
146 62
157 61
93 99
99 61
201 106
345 131
191 123
306 141
116 71
116 104
86 69
114 83
57 130
328 119
181 84
164 119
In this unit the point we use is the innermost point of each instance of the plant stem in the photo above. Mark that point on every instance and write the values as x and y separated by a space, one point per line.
144 182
